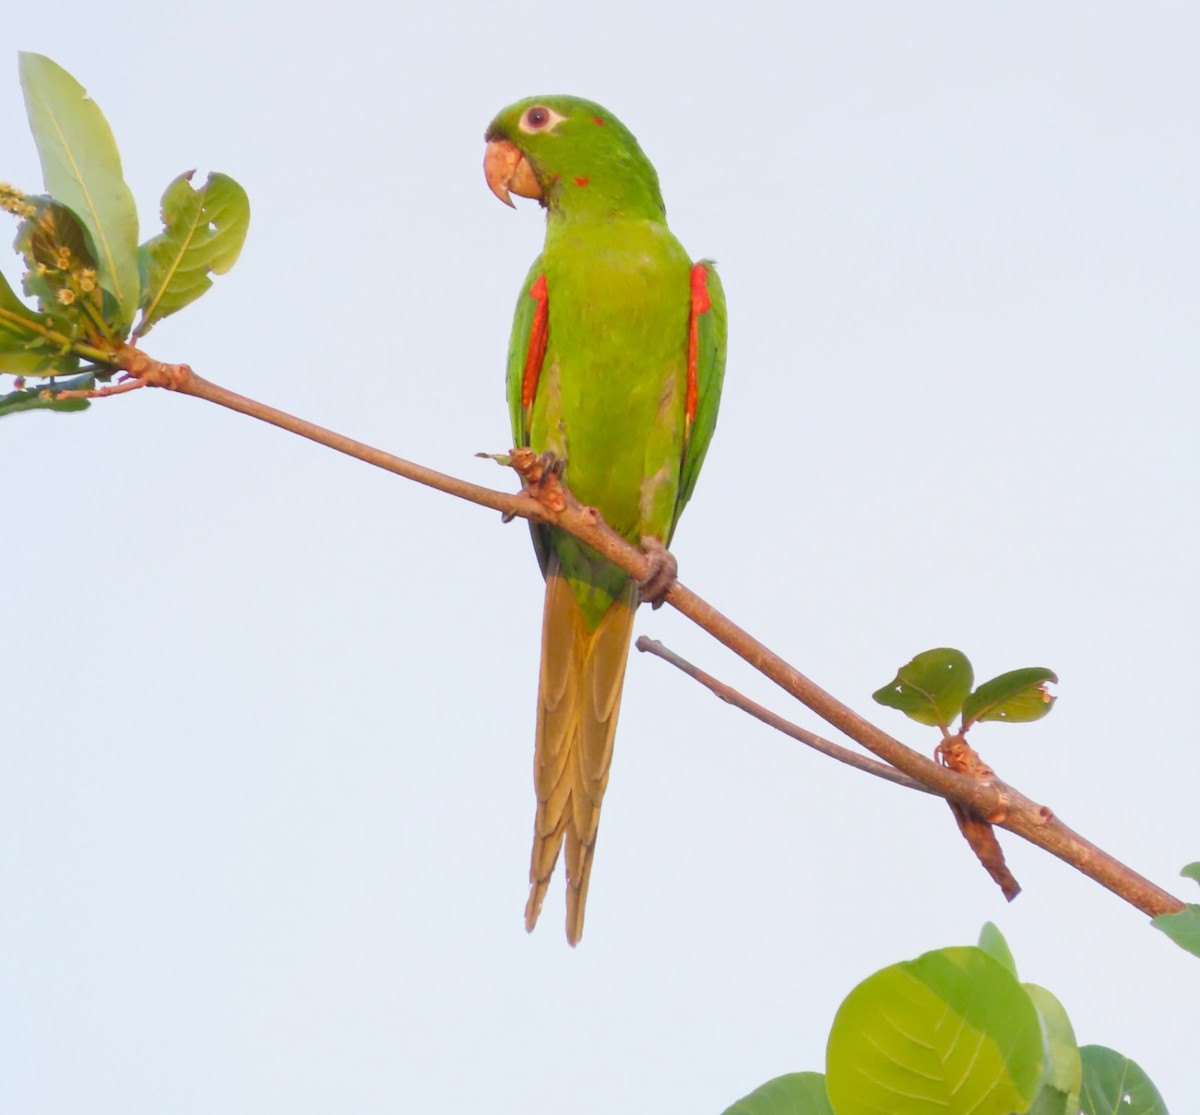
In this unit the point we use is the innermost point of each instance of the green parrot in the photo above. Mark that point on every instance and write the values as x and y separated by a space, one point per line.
615 366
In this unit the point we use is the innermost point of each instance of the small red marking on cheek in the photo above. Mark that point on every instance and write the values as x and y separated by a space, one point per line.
583 182
599 121
555 177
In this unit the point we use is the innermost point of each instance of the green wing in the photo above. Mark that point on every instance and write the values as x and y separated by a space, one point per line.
518 351
518 354
711 333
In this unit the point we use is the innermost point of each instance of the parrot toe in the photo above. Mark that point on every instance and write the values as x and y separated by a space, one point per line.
664 571
541 476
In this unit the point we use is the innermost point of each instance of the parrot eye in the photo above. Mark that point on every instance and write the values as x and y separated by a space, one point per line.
539 118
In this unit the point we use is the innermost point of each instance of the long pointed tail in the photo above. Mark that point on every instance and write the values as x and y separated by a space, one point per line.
579 696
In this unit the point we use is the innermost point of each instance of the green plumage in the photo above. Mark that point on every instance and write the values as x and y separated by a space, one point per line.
610 401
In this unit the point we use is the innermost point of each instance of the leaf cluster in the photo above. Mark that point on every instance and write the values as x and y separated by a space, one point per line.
84 269
955 1032
936 686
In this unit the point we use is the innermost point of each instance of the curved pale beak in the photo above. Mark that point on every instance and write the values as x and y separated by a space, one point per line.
506 169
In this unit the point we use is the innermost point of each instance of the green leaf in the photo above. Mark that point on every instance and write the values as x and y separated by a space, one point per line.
203 231
60 269
949 1033
1052 1101
1062 1070
40 362
24 350
1183 928
992 941
1115 1085
41 397
1192 871
82 169
18 323
797 1093
1017 697
931 688
17 312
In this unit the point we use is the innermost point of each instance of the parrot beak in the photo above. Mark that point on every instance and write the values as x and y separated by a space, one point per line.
505 169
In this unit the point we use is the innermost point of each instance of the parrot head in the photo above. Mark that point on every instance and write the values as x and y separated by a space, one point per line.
572 156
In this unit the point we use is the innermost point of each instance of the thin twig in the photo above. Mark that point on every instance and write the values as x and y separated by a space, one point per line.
739 700
514 505
994 801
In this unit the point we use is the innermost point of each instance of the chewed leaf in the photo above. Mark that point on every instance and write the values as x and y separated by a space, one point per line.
203 232
82 169
1017 697
931 688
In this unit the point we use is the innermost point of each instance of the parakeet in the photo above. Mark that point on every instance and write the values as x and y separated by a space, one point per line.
615 365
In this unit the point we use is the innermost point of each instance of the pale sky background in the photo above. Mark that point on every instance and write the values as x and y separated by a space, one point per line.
265 786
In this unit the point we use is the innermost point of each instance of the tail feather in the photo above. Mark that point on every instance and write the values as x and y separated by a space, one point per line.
579 697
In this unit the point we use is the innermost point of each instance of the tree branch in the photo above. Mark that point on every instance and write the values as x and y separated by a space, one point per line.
993 801
739 700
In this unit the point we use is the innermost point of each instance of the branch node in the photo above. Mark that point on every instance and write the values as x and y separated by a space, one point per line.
149 372
139 371
954 752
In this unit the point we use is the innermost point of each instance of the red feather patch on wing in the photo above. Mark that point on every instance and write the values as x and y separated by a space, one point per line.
701 304
538 335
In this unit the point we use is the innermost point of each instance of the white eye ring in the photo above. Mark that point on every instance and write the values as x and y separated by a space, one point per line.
539 118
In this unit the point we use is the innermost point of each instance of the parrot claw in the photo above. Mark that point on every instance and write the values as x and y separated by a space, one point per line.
541 476
551 465
664 570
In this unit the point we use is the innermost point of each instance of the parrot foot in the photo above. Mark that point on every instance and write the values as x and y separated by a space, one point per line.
664 570
541 476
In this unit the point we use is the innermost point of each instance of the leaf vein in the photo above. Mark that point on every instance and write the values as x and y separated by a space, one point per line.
91 204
